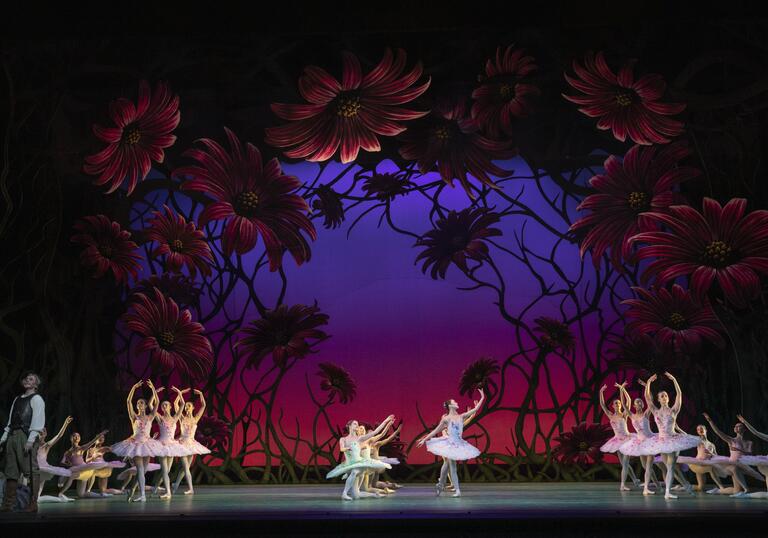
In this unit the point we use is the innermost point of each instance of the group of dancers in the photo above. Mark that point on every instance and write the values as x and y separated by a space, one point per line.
663 447
85 464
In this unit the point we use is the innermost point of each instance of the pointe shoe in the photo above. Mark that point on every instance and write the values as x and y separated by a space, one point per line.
623 488
648 492
389 491
345 497
189 492
713 491
166 496
439 489
739 494
457 493
670 496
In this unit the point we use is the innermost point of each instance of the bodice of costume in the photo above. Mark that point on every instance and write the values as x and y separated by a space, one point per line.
455 428
665 420
42 454
167 428
75 456
642 425
705 450
618 424
187 428
142 426
740 447
96 454
352 454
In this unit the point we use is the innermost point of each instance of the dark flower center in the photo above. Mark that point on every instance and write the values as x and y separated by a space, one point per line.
625 98
443 132
459 242
583 446
676 321
638 200
717 254
347 106
165 339
282 337
106 250
177 245
131 135
507 92
247 204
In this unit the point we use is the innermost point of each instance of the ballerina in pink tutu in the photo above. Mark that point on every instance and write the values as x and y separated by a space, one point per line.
618 421
638 445
189 446
452 447
739 448
140 446
95 454
80 470
49 471
761 462
668 442
167 420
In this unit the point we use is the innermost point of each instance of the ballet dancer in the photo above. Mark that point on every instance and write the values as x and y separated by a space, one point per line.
702 464
365 479
95 454
761 462
49 471
354 463
618 421
168 421
140 446
738 448
453 447
388 487
449 484
668 442
189 446
80 470
638 445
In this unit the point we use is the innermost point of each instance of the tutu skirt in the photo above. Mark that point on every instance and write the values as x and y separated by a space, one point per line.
614 444
132 448
190 447
391 461
453 449
639 446
131 471
172 449
670 443
755 461
85 470
346 467
51 470
698 465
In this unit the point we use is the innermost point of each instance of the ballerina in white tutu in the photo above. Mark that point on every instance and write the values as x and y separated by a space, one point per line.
448 484
452 447
79 469
366 479
189 446
168 421
668 442
618 421
761 462
49 471
354 463
140 446
388 487
96 454
638 445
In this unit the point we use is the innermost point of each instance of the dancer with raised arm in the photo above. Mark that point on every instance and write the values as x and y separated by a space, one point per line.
167 421
449 484
618 421
668 442
96 454
452 447
639 445
189 446
388 487
738 448
761 462
140 446
49 471
366 481
80 470
354 463
703 463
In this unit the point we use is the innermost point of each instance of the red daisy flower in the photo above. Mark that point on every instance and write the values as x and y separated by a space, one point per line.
253 198
180 288
455 238
554 334
503 93
642 355
181 242
107 247
449 139
629 107
328 204
386 186
175 343
642 182
477 375
212 432
582 444
336 381
722 244
347 114
284 333
139 136
673 318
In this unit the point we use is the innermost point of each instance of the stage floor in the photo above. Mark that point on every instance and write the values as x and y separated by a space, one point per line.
493 507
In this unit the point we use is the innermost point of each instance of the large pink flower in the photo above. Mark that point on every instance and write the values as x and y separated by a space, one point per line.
628 107
449 139
254 199
642 182
504 94
174 342
722 245
139 135
107 248
673 318
581 445
349 113
180 241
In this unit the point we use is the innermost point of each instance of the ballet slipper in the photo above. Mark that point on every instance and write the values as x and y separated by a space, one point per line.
623 488
647 491
670 496
165 496
439 488
345 497
457 493
189 492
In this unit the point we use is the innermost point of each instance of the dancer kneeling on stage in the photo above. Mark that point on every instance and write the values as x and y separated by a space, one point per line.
452 447
354 463
49 471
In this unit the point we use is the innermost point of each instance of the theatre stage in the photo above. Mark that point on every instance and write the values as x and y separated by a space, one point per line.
519 509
